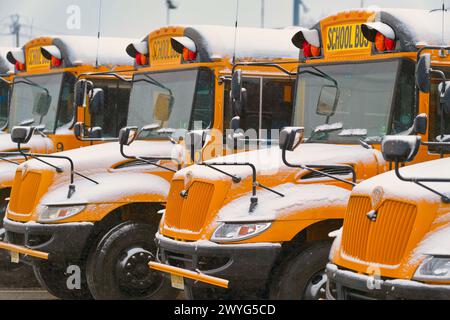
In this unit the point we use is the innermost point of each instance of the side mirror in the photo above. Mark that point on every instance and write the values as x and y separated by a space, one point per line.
235 123
21 135
194 142
420 124
97 102
291 137
42 104
400 148
238 94
445 98
82 87
79 129
328 100
236 85
127 135
423 73
233 140
96 133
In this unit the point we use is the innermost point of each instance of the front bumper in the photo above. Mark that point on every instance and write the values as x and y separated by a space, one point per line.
246 266
63 242
348 285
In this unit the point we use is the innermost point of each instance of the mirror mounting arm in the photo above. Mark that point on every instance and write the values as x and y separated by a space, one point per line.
58 169
418 181
310 168
255 183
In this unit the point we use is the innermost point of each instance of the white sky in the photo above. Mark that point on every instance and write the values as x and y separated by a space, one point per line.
136 18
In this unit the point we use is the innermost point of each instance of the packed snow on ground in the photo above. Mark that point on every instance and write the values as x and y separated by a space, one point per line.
272 206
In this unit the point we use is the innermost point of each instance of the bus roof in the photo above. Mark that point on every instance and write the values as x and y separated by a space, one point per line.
218 42
85 50
413 26
5 66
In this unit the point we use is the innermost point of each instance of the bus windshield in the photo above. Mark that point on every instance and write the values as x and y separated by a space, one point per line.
163 103
44 101
373 99
4 102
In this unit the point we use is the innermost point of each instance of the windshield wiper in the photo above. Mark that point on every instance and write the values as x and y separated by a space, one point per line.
325 128
149 160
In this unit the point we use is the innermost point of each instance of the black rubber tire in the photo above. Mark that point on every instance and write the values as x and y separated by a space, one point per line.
14 275
295 274
103 259
54 280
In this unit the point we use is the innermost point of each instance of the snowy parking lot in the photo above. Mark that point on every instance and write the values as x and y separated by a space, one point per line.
25 294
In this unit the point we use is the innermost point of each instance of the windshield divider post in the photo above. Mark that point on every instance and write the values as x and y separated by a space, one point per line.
418 181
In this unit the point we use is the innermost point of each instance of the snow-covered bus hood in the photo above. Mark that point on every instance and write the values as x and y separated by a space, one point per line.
393 187
99 163
269 161
36 144
103 157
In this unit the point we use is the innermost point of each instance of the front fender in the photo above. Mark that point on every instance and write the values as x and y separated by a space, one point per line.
301 207
112 191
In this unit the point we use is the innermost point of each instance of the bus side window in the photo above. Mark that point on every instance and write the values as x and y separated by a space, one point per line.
203 109
250 118
66 110
114 115
277 103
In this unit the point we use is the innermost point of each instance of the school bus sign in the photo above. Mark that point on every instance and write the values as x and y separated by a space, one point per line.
35 59
345 37
162 53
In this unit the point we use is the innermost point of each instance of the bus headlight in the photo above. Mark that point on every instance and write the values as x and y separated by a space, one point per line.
52 214
228 232
433 269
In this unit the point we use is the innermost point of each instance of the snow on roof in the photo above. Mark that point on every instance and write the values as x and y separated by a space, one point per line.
83 50
394 187
258 43
5 65
423 26
413 26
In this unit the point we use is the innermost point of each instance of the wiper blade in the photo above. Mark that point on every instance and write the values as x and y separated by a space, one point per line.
353 133
328 127
325 128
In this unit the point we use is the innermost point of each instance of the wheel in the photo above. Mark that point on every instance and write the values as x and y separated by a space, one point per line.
303 276
54 279
117 267
14 275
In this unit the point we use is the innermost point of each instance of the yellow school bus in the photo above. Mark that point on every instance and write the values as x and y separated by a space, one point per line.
355 86
42 95
106 227
394 242
6 76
